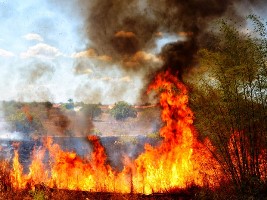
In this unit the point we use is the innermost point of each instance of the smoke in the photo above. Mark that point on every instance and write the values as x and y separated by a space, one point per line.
3 124
120 29
33 78
6 136
37 70
126 34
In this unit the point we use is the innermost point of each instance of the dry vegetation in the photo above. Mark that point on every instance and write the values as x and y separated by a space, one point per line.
41 192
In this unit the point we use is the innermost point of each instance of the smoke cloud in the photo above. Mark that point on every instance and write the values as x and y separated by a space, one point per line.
126 34
38 70
33 78
120 29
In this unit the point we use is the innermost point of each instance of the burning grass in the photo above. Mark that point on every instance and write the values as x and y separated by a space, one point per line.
43 192
178 161
179 167
55 194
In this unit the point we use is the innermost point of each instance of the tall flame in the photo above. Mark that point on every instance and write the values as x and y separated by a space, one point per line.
178 161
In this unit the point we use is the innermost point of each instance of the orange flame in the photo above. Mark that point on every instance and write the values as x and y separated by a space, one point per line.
240 155
178 161
17 177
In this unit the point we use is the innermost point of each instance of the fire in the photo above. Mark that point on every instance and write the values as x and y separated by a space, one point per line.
178 161
241 157
17 173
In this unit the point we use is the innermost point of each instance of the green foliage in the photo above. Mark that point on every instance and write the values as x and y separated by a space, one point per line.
123 110
21 122
11 107
48 105
154 135
26 117
91 110
229 102
69 105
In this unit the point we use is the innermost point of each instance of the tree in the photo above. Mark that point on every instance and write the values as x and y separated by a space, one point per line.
11 107
70 104
230 102
123 110
25 122
48 104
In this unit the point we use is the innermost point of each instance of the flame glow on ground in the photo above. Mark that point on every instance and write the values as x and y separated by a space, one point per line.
180 160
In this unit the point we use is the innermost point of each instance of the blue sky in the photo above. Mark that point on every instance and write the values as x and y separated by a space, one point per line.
39 46
35 32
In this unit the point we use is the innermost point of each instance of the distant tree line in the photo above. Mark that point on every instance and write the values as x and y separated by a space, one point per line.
28 117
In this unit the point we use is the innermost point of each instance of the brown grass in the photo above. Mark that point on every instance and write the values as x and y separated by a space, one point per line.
81 195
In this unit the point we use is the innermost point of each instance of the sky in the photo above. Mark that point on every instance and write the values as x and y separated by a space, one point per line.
32 33
44 56
39 47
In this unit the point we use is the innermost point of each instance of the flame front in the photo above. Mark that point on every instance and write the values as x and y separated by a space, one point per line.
178 161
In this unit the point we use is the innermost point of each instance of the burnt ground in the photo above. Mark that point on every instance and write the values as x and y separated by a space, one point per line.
56 194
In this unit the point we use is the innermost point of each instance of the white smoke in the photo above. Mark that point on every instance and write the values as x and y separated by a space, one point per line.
4 133
14 136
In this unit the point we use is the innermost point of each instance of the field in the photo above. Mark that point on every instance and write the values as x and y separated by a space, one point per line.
68 123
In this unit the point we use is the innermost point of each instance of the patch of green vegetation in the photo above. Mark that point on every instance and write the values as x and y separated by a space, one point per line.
122 110
154 135
25 122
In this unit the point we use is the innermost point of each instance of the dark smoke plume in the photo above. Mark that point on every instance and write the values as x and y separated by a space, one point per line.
124 31
122 28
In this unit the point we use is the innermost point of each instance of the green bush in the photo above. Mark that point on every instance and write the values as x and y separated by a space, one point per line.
154 135
21 122
123 110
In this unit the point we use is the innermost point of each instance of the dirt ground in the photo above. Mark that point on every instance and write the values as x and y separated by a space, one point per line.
76 124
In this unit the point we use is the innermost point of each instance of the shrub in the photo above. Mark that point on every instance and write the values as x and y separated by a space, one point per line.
123 110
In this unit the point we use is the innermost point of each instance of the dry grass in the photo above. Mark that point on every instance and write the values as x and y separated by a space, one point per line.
192 192
54 194
42 192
